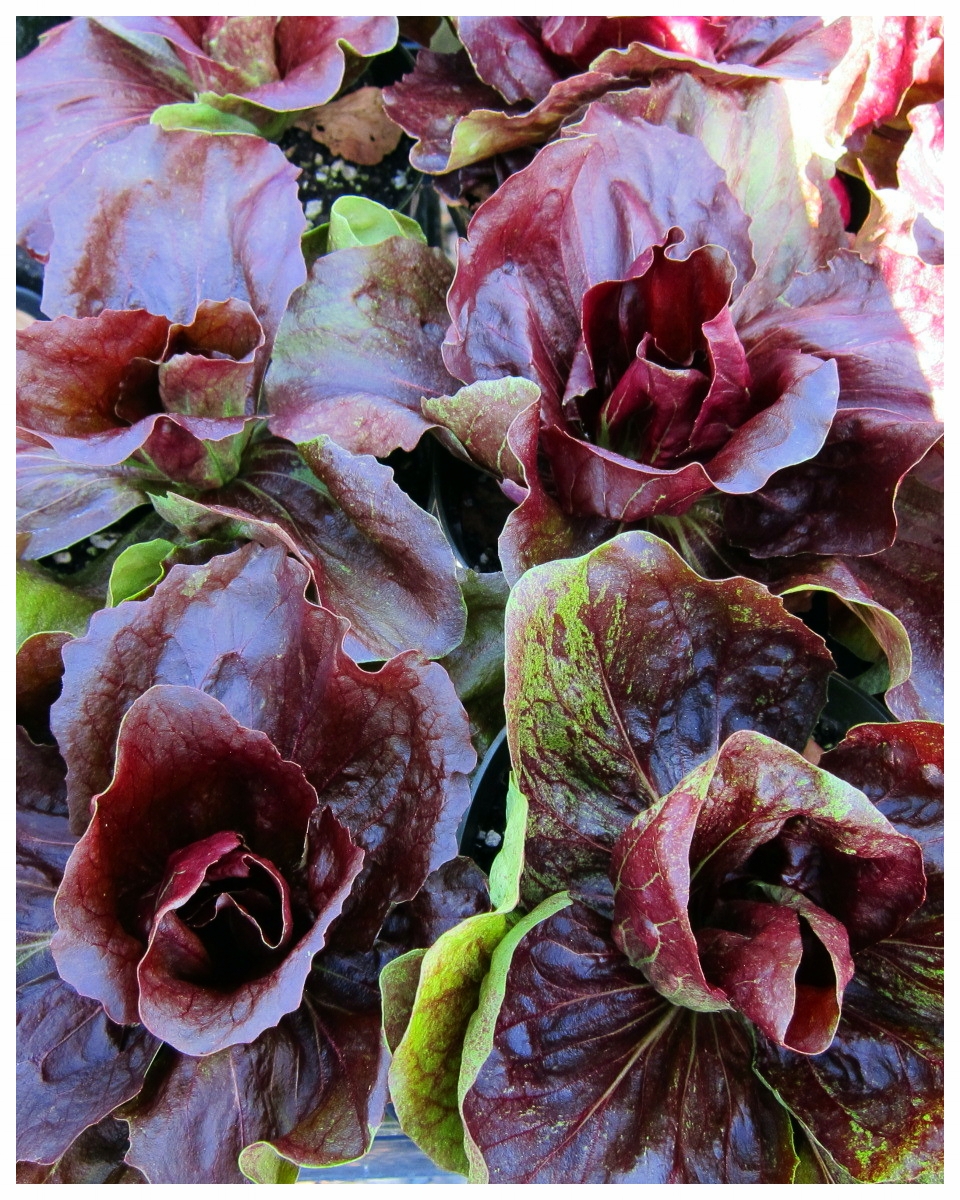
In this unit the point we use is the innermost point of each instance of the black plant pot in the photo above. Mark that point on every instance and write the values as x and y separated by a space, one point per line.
28 301
481 832
471 510
847 705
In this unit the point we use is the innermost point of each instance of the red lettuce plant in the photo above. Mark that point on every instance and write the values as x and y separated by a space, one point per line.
752 939
155 393
680 358
255 811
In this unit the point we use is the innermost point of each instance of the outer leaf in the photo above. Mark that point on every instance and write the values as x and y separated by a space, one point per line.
576 1071
313 1087
74 1065
60 504
426 1059
842 502
39 672
900 767
95 1157
476 666
84 87
131 199
375 557
388 751
360 346
282 64
628 671
479 416
456 107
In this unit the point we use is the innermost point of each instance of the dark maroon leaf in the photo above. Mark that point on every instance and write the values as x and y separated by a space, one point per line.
39 672
716 885
387 751
896 594
122 241
592 1077
314 1086
627 671
84 87
360 347
456 890
74 1066
41 783
95 1157
874 1101
900 767
376 558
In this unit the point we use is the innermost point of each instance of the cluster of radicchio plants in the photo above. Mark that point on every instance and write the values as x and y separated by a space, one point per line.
692 339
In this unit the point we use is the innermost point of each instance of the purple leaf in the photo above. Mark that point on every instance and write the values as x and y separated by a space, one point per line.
375 557
84 87
95 1157
314 1087
360 346
74 1065
122 241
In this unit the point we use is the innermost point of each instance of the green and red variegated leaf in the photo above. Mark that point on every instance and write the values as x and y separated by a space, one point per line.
629 670
576 1070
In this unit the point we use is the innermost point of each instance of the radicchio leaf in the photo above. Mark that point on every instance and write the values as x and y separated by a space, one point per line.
153 919
74 1065
628 671
313 1087
515 301
713 882
658 1105
873 1103
84 87
465 107
387 751
360 346
375 557
429 1000
95 1157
